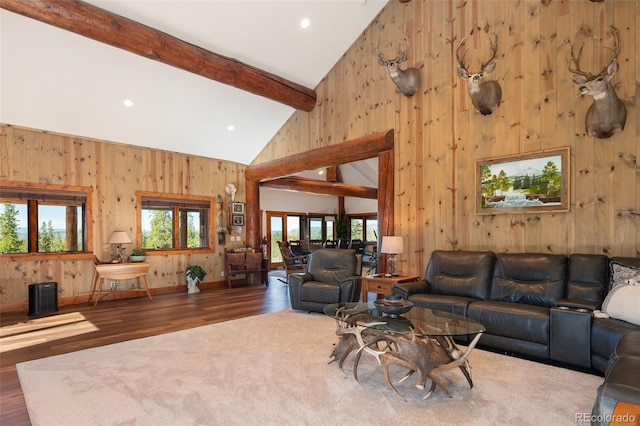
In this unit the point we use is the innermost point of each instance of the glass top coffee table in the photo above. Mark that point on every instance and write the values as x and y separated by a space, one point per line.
419 339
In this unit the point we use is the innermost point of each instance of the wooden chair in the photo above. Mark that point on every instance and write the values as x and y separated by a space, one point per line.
330 244
292 263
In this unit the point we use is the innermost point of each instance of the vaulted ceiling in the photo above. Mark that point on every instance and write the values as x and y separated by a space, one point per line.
57 80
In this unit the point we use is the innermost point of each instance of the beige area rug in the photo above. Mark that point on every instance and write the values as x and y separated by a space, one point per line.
272 369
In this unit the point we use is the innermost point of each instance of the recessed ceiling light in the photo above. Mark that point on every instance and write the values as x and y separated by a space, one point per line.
231 127
128 103
304 24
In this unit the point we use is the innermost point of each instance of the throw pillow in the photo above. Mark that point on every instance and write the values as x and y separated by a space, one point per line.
623 303
621 274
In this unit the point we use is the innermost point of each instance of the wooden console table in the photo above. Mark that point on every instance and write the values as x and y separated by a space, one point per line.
381 284
119 271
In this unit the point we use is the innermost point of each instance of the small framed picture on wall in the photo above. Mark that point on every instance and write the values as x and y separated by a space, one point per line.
237 208
237 220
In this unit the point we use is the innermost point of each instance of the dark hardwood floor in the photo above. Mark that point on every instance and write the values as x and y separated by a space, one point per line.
117 321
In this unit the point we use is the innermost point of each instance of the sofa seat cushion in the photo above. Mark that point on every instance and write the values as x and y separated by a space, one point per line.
622 381
629 345
441 302
514 320
321 292
621 384
605 334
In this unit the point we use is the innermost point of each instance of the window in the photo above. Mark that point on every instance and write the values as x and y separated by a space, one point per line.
174 222
316 228
371 228
357 225
364 228
283 226
39 218
294 225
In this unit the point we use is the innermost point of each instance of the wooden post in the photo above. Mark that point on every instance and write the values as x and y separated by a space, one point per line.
254 238
386 201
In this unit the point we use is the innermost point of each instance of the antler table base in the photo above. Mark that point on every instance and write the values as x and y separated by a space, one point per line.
421 348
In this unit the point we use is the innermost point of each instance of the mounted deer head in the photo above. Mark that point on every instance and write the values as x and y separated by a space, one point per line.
485 95
607 115
407 81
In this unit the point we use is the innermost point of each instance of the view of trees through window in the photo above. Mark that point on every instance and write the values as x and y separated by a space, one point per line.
174 222
158 228
51 230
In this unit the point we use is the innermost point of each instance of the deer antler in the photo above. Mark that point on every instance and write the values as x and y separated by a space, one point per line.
616 43
494 48
460 60
576 60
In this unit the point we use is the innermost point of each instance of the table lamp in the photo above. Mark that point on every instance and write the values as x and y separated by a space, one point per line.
392 246
118 238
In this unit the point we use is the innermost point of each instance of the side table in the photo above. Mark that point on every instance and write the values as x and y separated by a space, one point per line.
382 285
119 271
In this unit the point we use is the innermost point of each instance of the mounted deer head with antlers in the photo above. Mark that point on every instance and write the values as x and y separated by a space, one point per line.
607 115
407 81
485 95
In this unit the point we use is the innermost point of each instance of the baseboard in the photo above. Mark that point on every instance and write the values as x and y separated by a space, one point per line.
84 298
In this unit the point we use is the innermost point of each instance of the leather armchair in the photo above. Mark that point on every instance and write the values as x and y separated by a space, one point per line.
330 278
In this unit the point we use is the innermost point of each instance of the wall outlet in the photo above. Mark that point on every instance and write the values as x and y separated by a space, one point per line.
113 285
222 274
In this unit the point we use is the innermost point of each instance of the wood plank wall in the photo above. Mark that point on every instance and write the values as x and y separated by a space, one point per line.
116 172
439 136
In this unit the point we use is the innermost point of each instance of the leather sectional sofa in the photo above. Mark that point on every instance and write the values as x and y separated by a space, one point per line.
621 382
536 305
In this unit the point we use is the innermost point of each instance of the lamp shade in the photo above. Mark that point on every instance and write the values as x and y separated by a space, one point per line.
392 245
119 237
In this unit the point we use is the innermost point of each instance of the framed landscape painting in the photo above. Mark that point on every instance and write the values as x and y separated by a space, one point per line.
524 183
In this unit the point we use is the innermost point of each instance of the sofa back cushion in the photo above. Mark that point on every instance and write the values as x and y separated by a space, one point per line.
332 265
530 278
588 277
460 273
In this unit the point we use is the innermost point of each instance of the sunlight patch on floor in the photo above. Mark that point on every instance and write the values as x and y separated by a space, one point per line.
43 330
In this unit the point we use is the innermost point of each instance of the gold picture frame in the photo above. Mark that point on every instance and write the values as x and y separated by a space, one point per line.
524 183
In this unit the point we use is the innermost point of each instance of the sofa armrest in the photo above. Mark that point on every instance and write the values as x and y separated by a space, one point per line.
578 304
407 289
300 278
296 281
350 289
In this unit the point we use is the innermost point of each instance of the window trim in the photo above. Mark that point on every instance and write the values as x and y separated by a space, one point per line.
39 188
176 198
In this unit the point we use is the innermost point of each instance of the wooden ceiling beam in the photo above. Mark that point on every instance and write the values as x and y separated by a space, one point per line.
346 152
101 25
321 187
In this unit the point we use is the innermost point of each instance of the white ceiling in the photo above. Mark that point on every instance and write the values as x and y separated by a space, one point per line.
55 80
